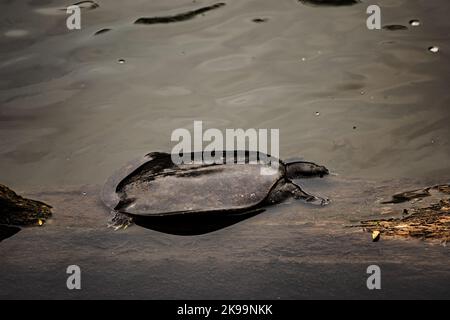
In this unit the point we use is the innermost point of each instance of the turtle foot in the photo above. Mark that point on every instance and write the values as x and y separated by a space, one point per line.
318 201
120 221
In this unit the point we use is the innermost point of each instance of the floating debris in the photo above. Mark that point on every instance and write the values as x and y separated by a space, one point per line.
354 127
317 113
375 235
432 222
102 31
179 17
433 49
409 195
429 222
414 23
303 59
395 27
260 20
330 3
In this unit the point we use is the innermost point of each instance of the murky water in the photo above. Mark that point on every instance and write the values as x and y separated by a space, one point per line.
371 105
71 114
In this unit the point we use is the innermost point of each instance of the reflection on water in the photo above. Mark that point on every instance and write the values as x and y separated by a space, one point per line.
433 49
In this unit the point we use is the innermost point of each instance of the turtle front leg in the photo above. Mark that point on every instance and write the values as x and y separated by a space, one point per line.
287 189
120 221
308 198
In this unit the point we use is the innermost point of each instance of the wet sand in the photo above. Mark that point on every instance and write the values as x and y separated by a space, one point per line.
370 105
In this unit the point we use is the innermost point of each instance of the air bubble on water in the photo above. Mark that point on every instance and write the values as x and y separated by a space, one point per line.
317 113
362 93
84 193
414 23
121 61
433 49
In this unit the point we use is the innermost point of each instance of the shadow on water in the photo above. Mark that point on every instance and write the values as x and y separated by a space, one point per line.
179 17
7 231
193 224
330 3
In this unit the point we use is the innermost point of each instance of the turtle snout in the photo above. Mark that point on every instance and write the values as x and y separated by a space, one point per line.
318 170
323 171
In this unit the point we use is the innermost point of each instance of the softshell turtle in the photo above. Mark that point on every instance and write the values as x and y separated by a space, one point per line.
154 187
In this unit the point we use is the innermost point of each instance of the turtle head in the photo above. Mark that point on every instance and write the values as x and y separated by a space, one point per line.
301 169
